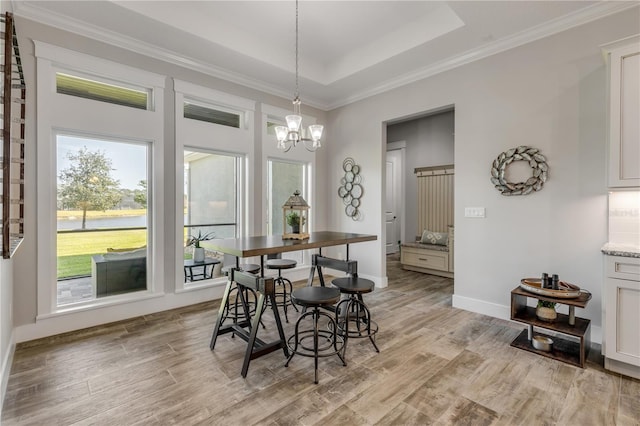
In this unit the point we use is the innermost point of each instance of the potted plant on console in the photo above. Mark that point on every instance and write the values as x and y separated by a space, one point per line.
194 240
546 311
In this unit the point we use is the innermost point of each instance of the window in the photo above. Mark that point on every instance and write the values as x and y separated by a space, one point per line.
210 194
211 114
101 218
98 252
285 177
99 91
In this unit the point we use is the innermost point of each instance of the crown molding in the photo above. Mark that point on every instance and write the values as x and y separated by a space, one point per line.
599 10
549 28
56 20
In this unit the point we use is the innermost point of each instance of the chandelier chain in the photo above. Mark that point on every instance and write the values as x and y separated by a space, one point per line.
297 87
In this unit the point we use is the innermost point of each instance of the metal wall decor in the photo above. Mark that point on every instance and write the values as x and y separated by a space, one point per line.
351 188
537 162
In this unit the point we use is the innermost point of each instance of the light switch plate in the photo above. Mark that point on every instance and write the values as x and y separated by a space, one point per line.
478 212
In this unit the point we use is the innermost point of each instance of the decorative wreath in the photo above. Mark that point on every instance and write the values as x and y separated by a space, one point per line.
522 153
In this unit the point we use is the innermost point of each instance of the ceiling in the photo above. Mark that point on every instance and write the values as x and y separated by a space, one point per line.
348 50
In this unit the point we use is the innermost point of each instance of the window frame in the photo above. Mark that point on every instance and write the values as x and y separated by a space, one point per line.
150 227
218 139
62 114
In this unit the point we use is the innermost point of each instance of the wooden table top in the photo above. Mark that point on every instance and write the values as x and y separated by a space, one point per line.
271 244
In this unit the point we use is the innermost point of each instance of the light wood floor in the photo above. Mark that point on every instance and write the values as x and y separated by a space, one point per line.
437 365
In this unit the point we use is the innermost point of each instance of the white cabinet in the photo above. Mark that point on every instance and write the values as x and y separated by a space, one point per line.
621 343
623 59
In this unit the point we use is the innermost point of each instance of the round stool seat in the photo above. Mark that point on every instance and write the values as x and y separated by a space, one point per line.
251 268
281 264
354 285
315 296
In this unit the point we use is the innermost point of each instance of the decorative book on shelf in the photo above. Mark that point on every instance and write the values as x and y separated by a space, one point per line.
12 142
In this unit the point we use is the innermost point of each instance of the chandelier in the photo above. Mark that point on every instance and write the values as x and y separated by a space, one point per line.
290 135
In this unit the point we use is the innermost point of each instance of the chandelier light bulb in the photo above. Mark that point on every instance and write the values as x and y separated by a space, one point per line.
293 122
281 134
316 131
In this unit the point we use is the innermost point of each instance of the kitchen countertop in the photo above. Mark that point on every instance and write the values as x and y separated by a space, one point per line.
614 249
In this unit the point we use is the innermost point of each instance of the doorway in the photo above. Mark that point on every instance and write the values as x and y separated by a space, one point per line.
394 196
414 142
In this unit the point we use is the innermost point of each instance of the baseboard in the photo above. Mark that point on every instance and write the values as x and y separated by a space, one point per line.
6 370
622 368
504 312
481 307
72 321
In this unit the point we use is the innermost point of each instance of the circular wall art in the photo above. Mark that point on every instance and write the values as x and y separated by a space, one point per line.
351 190
539 171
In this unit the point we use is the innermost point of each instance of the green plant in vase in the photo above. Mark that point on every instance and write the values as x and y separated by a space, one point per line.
294 220
546 311
194 240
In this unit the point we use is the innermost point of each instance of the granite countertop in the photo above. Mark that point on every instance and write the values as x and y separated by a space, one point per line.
615 249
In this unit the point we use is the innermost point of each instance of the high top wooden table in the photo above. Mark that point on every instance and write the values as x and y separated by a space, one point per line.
262 246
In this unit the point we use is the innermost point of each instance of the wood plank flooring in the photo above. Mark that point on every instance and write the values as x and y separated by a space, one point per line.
437 365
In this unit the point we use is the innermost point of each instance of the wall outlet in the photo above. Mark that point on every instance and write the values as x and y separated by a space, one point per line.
474 212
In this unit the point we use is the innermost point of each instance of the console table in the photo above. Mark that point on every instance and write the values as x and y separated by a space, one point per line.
570 351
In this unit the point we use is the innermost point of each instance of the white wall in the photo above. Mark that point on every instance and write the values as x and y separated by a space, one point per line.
6 324
549 94
430 142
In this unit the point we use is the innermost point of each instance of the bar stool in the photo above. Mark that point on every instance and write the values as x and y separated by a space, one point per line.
353 310
234 309
316 297
283 297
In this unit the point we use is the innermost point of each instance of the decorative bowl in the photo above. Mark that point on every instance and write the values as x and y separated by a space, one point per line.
566 290
542 343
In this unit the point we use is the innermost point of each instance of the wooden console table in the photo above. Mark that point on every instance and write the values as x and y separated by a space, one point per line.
566 350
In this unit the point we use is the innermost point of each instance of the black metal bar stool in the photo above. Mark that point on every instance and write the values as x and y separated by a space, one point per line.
242 297
332 343
353 311
283 296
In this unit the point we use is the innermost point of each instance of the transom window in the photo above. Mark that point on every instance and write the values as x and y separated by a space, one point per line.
211 114
102 91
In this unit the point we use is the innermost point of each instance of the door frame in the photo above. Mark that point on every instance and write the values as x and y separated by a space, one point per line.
400 187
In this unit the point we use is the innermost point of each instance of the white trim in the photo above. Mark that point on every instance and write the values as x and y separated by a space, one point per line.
481 307
6 368
205 94
564 23
396 145
72 60
108 314
213 139
270 111
599 10
80 117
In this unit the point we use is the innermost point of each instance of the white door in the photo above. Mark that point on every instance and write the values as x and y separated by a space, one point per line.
393 200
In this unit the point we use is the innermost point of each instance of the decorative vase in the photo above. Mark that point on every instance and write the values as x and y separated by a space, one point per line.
198 254
295 229
546 314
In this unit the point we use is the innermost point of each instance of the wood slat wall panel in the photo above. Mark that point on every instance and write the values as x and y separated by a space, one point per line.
435 200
